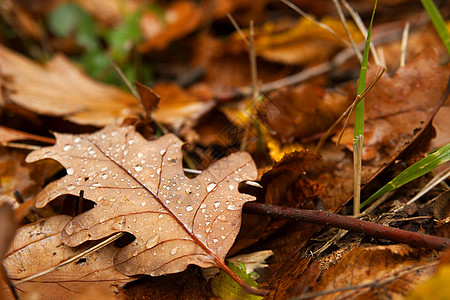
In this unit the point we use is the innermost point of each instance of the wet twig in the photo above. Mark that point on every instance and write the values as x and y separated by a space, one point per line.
325 218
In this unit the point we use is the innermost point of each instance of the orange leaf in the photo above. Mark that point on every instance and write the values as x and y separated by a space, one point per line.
60 89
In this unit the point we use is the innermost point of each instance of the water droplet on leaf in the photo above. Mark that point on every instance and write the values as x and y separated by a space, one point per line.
211 186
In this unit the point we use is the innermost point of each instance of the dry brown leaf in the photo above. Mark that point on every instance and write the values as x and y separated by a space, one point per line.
397 105
60 89
302 111
38 247
180 18
393 271
178 106
302 42
140 187
8 227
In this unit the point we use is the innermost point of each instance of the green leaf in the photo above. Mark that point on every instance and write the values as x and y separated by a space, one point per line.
425 165
225 287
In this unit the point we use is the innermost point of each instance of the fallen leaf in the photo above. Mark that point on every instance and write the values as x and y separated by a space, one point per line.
185 285
140 188
61 89
396 106
179 19
302 111
8 227
300 42
38 247
301 275
9 135
178 106
390 271
149 98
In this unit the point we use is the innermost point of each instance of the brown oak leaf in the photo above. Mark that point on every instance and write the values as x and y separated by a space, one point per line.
38 247
139 187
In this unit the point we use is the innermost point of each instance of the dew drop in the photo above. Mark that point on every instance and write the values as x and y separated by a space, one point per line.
223 237
216 204
138 168
233 207
203 205
222 218
160 216
158 171
70 187
69 228
118 224
152 242
68 147
215 240
188 191
104 169
140 155
143 203
130 142
189 208
174 251
105 176
162 152
208 230
211 186
231 187
92 152
135 253
76 140
70 171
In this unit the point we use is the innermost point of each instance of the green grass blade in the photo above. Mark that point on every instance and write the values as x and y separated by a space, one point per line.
438 22
425 165
359 110
359 121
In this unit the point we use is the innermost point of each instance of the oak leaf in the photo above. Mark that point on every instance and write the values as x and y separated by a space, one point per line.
140 188
38 247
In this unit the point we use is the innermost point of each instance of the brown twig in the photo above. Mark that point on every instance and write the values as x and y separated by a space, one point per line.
329 219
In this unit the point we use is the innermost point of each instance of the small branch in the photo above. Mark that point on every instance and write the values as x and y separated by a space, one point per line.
325 218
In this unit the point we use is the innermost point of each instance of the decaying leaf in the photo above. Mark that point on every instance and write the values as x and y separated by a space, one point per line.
178 106
140 187
396 106
300 42
60 89
302 111
38 247
388 271
8 227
